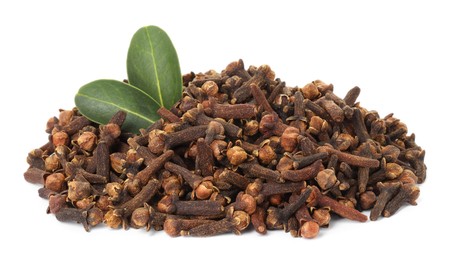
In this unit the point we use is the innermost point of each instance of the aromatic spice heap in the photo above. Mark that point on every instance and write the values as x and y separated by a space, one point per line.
239 149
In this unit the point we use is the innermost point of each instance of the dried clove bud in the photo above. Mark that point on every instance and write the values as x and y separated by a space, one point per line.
393 170
245 202
256 170
344 141
95 216
305 160
73 215
407 193
57 202
202 187
35 175
367 200
113 219
60 138
258 219
52 163
288 140
204 162
285 163
310 91
339 208
175 227
309 229
270 124
227 111
113 190
267 155
55 182
146 174
215 131
304 174
351 159
87 141
192 208
270 188
386 192
277 218
326 179
35 159
236 222
156 142
147 192
78 190
140 217
322 216
218 148
236 155
65 117
251 128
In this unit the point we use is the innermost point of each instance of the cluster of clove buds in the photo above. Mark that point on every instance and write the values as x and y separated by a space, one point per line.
240 150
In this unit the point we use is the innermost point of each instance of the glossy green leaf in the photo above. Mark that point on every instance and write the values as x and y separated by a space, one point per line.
153 66
100 99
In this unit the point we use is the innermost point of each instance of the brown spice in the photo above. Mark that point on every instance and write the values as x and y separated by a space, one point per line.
239 147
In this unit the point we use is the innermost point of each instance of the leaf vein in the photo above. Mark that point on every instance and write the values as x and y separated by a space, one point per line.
155 68
120 107
141 91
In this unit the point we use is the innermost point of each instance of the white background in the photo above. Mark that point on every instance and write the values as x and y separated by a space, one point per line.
398 52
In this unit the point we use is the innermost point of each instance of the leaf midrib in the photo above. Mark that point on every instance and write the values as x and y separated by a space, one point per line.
115 105
155 67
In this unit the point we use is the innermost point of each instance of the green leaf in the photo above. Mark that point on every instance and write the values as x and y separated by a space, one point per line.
153 66
100 99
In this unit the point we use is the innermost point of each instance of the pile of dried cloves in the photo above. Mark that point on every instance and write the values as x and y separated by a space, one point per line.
239 148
